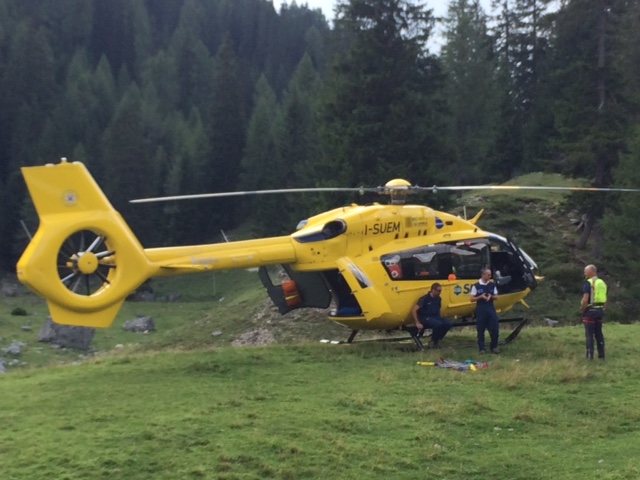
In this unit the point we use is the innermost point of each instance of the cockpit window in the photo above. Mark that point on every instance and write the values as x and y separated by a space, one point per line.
438 262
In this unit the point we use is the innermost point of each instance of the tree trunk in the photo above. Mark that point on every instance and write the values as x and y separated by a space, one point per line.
602 22
586 232
599 152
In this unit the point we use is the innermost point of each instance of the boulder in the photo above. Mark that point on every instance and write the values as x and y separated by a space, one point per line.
9 289
142 296
66 336
174 297
141 324
14 349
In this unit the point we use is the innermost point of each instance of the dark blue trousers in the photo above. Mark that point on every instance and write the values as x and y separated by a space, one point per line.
593 328
487 319
439 327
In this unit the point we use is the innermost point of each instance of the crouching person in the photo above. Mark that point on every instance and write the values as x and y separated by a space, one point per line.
426 314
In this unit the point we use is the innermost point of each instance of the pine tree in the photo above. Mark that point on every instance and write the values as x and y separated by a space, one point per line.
121 32
226 131
381 112
260 151
27 91
621 229
127 165
523 30
470 65
589 113
298 145
194 70
263 168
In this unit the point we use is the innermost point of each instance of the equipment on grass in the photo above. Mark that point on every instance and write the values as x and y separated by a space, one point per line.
460 366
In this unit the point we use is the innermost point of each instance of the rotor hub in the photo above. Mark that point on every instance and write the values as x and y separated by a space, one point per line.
87 263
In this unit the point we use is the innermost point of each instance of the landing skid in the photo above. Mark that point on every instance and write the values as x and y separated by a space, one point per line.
417 335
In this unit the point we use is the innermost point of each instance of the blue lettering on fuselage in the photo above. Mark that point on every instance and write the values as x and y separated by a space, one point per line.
383 227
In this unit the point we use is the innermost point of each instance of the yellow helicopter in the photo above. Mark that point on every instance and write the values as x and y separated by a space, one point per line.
373 261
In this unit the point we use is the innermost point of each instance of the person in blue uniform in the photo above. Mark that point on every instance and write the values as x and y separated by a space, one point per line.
483 294
594 301
426 314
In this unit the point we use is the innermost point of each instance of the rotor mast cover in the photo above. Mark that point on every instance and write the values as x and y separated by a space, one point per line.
397 189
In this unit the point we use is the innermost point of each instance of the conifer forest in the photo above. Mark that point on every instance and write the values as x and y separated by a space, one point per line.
168 97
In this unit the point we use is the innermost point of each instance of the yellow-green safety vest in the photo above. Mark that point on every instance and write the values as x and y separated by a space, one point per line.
598 291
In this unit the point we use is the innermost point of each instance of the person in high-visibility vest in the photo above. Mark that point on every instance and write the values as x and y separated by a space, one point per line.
593 304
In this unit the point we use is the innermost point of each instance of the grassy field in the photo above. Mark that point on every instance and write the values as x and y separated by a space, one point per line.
330 411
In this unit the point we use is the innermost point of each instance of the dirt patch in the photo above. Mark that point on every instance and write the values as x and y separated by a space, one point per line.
268 326
254 338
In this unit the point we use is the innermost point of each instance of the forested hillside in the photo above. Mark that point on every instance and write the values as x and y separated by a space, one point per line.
165 97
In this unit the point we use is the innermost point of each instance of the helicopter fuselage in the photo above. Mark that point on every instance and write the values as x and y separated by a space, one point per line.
372 261
377 260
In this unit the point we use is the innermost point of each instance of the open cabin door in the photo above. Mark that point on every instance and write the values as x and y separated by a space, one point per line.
511 267
529 277
290 290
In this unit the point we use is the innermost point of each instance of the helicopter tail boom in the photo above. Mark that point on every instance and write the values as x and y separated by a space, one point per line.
222 256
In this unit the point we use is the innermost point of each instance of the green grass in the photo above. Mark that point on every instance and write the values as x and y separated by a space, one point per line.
324 411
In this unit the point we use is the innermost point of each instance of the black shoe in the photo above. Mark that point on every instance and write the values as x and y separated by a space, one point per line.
434 345
495 351
482 352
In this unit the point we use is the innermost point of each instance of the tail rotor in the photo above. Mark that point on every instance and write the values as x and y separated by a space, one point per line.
86 263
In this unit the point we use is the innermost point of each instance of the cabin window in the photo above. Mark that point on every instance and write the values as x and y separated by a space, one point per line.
464 259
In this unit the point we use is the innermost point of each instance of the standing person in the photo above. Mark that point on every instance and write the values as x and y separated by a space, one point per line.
426 314
594 301
484 293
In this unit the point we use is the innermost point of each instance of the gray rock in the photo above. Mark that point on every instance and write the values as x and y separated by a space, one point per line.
142 296
14 349
9 289
141 324
65 336
174 297
551 323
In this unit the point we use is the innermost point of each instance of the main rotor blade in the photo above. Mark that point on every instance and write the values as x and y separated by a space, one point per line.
435 188
360 190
